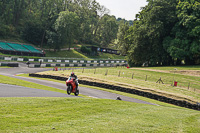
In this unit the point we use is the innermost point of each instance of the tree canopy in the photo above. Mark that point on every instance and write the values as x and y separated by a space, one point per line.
57 23
164 32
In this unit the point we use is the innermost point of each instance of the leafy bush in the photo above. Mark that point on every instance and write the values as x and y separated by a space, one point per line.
86 50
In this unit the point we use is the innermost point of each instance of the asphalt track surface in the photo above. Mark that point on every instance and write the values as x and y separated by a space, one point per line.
18 91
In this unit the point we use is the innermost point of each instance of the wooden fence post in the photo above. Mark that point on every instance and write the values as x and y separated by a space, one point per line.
132 75
146 78
106 73
188 85
83 70
95 71
119 74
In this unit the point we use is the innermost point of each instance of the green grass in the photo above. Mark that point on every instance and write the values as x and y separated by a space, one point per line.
92 115
4 67
66 54
107 56
76 54
181 92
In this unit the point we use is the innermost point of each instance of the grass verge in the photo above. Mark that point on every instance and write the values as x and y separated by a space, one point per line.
92 115
67 54
76 54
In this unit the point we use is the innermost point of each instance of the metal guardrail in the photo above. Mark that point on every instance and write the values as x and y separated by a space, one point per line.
75 65
62 60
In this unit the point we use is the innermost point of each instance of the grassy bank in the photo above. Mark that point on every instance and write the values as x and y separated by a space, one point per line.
76 54
92 115
142 79
66 54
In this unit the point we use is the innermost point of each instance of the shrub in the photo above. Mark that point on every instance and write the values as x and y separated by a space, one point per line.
86 50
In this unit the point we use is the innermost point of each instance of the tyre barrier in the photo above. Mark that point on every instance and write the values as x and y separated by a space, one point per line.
180 103
10 64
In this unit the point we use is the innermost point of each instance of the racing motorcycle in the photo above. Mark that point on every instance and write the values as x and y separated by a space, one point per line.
71 86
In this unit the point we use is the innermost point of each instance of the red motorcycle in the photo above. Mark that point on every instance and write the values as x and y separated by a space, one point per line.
71 86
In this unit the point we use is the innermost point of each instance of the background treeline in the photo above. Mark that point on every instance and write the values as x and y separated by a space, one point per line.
55 23
165 32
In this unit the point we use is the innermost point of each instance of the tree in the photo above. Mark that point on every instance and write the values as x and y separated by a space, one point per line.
87 12
107 30
122 41
33 31
11 13
184 41
151 26
39 22
66 26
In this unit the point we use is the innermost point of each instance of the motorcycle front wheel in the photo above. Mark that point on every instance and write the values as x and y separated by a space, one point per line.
69 89
77 92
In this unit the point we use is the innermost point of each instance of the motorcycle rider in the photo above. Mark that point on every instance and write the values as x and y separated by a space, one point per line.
76 79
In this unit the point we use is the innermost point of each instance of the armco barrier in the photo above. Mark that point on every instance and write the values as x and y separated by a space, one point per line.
75 65
73 61
128 90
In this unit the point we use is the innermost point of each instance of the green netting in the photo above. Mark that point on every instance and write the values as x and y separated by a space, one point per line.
4 46
18 47
31 48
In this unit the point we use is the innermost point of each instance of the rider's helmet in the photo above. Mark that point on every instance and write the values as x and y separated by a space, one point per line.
72 74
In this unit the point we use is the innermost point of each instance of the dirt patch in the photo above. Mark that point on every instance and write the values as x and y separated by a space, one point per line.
183 72
188 72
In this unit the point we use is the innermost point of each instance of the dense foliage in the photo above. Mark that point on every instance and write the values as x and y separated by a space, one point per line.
165 32
86 50
57 23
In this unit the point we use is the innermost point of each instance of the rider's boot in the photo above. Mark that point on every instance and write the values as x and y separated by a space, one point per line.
76 87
